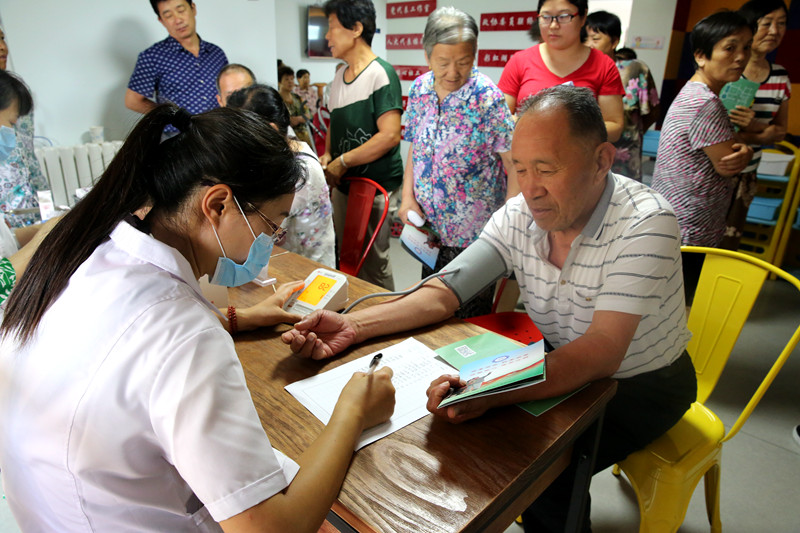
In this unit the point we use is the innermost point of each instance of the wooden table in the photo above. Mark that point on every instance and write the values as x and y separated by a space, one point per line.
430 476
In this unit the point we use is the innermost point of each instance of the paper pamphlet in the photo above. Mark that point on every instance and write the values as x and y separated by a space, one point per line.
422 243
740 92
462 352
414 366
521 367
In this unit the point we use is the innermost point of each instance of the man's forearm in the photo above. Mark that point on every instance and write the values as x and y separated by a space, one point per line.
137 102
432 303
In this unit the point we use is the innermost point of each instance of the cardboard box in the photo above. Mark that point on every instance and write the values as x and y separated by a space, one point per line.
775 164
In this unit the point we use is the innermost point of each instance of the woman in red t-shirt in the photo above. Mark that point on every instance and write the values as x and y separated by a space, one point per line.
562 58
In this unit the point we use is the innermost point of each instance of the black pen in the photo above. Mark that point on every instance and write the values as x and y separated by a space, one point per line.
374 363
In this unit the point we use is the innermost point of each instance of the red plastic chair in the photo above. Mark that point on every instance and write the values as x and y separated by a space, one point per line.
320 123
511 324
359 206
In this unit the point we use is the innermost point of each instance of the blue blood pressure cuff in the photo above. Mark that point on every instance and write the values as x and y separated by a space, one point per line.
479 266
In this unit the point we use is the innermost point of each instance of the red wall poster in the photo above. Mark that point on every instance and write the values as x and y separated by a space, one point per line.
418 8
494 58
410 72
404 41
518 20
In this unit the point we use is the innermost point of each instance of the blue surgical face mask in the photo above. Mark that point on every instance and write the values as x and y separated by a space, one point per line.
231 274
8 141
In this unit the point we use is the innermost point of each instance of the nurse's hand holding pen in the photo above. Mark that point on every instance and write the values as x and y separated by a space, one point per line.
368 397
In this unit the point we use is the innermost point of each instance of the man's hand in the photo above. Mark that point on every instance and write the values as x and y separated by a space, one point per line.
320 335
460 412
734 163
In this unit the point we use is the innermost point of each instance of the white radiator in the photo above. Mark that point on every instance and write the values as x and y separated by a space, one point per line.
68 168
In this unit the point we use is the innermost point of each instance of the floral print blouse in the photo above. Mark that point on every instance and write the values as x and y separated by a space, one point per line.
310 222
459 178
21 176
640 97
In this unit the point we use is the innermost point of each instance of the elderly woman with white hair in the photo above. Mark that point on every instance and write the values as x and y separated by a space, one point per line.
460 129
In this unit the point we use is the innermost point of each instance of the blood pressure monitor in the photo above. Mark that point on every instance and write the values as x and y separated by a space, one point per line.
324 289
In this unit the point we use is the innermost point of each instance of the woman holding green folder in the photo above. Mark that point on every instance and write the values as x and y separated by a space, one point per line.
763 119
763 122
771 104
700 157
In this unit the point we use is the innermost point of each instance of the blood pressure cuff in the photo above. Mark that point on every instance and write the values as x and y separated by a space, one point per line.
480 265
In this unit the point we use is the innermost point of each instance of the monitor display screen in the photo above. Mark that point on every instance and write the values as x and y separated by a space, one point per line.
317 28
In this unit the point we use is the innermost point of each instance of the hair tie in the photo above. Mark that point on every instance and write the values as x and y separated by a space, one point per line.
182 119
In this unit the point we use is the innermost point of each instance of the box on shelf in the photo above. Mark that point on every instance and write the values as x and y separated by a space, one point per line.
764 209
774 163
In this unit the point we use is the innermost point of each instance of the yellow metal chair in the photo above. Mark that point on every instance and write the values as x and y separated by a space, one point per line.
665 473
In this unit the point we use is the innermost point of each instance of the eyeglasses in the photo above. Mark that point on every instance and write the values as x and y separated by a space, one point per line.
563 18
278 232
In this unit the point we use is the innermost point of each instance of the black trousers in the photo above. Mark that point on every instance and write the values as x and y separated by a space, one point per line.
643 409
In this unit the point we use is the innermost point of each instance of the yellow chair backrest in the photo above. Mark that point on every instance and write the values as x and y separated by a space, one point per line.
728 287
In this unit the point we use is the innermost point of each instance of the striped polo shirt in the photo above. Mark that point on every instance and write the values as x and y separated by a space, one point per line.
770 95
627 259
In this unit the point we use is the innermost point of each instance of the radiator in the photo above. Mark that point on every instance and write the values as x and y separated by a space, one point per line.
68 168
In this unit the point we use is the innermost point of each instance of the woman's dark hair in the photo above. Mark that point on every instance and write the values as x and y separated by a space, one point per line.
712 29
756 9
625 54
581 5
284 71
13 89
351 11
227 146
535 32
604 22
264 101
302 72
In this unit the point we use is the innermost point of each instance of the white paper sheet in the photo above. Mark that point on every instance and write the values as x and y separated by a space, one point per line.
414 366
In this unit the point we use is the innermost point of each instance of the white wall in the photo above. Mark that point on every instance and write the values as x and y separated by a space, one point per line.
654 18
291 38
77 57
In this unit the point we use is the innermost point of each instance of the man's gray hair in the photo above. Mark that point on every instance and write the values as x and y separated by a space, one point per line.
234 67
448 25
583 113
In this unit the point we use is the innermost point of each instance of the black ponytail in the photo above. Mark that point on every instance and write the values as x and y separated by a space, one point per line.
223 146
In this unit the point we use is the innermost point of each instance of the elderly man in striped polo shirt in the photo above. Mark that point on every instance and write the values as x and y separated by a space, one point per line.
598 261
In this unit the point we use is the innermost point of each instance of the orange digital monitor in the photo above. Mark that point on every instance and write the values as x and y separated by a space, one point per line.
316 290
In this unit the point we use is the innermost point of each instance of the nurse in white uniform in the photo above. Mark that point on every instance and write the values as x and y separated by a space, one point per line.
123 406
